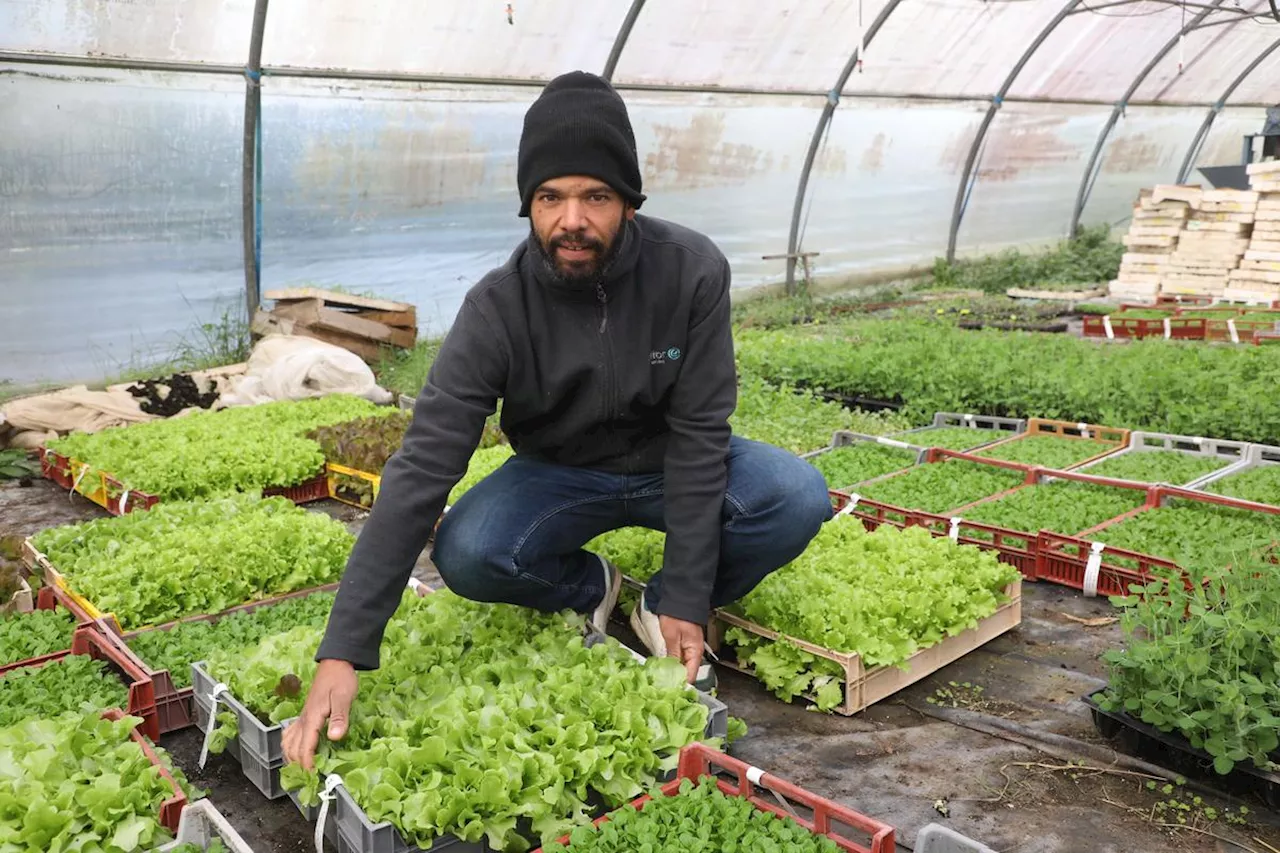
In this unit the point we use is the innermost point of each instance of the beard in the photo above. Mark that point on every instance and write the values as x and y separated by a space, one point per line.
577 273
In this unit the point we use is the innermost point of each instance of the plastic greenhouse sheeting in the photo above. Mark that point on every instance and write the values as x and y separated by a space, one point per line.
389 130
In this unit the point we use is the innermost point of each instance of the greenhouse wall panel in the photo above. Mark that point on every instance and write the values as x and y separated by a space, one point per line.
444 37
211 31
120 218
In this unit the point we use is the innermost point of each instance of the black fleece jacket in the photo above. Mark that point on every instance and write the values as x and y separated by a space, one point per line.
633 375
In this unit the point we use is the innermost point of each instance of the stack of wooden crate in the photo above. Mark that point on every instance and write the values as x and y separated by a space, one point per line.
1213 244
1158 219
1257 281
361 324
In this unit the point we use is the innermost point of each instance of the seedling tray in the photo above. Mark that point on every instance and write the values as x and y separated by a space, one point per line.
1067 429
1086 564
846 438
172 808
52 598
1230 452
951 420
108 492
173 704
201 824
1018 548
872 514
1257 456
901 516
826 818
1172 750
864 686
87 640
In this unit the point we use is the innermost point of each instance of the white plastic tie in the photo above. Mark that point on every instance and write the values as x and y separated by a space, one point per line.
969 418
892 442
1106 327
327 796
848 508
218 690
1084 429
754 774
954 533
414 584
124 502
1231 327
1168 329
75 485
1092 568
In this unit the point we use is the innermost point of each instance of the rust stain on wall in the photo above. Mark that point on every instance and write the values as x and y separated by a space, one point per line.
1127 154
696 155
402 166
873 157
1011 148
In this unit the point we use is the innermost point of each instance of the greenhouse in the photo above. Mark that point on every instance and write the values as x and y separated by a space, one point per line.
640 426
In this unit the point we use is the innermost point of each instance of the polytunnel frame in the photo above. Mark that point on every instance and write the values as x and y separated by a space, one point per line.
1203 133
253 71
1093 167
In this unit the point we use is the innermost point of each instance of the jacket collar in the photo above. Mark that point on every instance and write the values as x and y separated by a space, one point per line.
624 263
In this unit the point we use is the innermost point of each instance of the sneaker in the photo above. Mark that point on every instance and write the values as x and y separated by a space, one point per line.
612 586
647 627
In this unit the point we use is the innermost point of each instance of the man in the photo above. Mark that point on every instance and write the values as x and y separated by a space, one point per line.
606 335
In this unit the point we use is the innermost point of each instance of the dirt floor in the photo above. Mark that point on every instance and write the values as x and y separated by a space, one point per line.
1012 759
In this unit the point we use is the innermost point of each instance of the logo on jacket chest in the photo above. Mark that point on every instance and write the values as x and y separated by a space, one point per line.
662 356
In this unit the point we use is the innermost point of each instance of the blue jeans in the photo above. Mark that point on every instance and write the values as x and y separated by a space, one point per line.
517 536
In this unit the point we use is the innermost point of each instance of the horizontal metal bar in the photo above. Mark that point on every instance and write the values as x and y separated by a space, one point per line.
286 72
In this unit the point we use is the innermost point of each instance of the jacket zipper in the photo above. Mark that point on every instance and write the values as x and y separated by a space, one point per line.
608 352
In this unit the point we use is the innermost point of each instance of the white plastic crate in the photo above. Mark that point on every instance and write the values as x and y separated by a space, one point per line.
936 838
1232 452
1257 456
201 824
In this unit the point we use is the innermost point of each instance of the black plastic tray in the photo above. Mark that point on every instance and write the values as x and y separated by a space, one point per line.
1172 750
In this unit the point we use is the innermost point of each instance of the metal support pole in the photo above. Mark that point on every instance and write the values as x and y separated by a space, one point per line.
1203 133
1095 158
833 98
957 211
251 188
620 41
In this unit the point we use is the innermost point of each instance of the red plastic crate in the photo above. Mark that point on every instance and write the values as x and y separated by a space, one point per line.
51 598
1018 548
828 819
174 709
315 489
55 467
171 808
872 514
1180 328
88 640
1064 559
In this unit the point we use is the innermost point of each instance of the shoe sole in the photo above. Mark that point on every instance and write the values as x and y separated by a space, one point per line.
600 616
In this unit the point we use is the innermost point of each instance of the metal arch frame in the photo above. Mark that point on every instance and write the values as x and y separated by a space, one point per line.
957 211
1095 158
824 120
251 187
1203 133
620 40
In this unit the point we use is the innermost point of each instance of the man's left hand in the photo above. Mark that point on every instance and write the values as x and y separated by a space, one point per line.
684 642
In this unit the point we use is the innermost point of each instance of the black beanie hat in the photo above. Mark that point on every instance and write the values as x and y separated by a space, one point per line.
578 126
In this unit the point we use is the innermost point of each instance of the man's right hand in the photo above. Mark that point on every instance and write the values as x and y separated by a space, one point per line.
329 698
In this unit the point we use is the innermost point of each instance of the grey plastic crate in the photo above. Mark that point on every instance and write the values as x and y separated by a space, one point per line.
936 838
1232 452
265 778
363 836
1257 456
255 737
201 824
947 420
844 438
